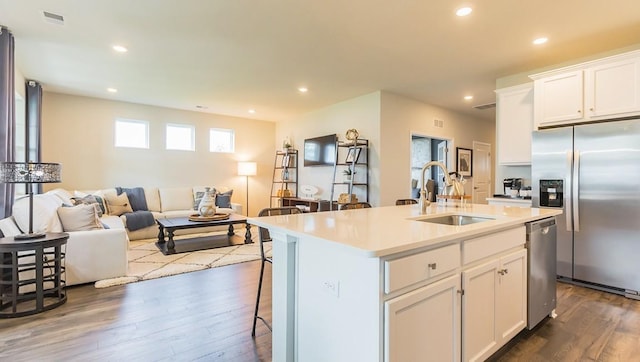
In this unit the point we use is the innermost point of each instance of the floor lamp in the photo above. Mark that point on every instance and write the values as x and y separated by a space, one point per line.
29 173
247 169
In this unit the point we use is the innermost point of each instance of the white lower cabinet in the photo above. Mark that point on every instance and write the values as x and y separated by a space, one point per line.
424 324
494 307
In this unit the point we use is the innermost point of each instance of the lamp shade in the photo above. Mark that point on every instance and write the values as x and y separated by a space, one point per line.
247 168
30 172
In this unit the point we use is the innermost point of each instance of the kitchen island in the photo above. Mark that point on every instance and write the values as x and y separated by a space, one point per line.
389 284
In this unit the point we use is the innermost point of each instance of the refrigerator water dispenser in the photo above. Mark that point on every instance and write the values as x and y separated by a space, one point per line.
551 193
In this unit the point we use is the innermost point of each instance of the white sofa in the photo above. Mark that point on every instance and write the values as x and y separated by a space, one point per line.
167 203
90 255
98 254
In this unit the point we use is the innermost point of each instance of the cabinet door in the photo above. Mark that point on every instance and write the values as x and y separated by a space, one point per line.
514 125
558 99
479 337
613 89
424 325
511 301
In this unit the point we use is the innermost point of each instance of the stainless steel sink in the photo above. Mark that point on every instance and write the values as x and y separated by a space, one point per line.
455 220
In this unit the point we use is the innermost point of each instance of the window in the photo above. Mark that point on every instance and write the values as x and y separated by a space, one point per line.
221 140
132 133
181 137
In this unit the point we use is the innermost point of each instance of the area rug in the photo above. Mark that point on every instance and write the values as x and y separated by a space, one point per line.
147 262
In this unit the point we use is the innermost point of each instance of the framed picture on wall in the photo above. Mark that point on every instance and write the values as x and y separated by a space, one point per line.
464 159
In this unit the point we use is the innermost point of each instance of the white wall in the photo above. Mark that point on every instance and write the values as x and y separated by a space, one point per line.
400 117
361 113
79 133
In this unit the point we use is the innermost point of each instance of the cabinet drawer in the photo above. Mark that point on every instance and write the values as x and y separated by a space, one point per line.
482 247
412 269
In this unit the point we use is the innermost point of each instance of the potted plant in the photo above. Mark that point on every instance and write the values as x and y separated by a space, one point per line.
348 173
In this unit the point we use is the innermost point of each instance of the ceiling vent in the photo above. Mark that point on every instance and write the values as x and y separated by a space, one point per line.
53 18
482 107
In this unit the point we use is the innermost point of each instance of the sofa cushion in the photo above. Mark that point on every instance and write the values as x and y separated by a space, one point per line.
136 197
9 227
62 194
45 216
93 200
79 218
223 199
153 198
119 204
179 198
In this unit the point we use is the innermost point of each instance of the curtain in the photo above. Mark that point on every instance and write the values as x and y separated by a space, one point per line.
7 115
34 125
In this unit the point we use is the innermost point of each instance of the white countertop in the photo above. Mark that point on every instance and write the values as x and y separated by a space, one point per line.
514 200
382 231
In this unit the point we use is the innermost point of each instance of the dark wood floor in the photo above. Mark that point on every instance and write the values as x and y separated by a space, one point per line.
207 316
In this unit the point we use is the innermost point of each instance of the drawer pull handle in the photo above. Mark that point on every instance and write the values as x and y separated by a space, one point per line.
432 266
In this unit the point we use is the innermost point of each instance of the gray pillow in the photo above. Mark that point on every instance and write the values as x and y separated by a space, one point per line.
223 199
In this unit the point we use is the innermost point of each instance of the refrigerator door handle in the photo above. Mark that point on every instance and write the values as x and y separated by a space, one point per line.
568 208
575 191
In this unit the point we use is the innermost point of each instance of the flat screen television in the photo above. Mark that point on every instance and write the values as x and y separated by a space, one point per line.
320 151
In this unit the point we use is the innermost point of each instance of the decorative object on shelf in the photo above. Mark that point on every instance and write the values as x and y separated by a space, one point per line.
30 173
286 160
286 144
309 191
346 198
352 134
216 216
352 155
464 159
207 206
247 169
285 174
283 193
348 174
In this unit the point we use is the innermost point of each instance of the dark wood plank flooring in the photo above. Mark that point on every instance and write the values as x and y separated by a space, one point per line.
207 316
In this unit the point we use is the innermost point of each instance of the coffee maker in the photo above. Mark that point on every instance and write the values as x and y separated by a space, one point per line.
512 186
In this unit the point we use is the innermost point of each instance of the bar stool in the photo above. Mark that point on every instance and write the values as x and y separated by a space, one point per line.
265 237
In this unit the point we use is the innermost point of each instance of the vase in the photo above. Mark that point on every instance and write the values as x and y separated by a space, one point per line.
207 206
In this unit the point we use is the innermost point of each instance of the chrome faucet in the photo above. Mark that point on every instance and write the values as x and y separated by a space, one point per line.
453 187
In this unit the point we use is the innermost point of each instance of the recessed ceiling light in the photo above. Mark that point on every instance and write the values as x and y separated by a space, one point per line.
303 89
120 49
112 90
468 98
540 41
464 11
252 111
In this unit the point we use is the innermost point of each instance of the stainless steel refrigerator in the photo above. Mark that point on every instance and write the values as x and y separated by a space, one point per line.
592 171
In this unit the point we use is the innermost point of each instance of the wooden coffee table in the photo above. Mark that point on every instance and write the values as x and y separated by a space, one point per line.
168 246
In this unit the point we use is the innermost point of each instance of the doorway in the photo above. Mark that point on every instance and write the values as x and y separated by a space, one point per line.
425 149
481 172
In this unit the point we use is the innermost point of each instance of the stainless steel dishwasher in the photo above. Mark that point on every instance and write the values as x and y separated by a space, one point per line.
541 252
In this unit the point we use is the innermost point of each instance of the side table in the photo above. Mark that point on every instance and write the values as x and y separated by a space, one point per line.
32 274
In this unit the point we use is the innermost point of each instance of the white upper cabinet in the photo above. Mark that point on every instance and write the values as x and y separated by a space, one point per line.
597 90
613 89
514 123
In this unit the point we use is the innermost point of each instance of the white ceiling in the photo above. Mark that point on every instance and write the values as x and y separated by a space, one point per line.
234 55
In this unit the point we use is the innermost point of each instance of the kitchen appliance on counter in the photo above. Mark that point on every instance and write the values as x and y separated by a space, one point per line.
512 186
591 171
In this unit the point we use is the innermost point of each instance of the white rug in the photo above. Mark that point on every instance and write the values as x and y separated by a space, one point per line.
147 262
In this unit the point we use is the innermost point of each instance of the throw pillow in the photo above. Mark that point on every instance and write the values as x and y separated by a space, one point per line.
223 199
79 218
89 200
119 204
8 227
136 197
